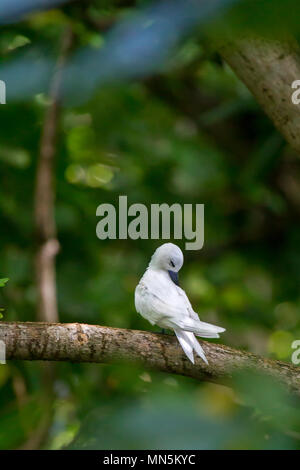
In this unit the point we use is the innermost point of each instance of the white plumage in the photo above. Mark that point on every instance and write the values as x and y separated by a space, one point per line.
160 300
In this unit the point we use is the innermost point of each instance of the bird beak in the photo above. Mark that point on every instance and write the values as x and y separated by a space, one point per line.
174 277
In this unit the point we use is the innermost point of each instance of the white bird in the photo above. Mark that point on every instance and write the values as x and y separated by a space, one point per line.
160 300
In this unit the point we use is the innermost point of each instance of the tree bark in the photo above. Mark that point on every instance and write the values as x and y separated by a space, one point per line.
74 342
45 228
268 68
45 225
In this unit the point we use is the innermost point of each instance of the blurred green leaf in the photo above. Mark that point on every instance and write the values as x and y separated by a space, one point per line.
3 281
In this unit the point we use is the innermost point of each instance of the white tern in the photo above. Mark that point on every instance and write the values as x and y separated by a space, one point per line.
160 300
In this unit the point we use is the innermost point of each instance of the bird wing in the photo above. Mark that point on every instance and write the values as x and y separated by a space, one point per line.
162 302
159 305
188 304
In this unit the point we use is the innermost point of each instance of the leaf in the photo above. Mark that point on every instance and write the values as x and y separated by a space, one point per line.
3 281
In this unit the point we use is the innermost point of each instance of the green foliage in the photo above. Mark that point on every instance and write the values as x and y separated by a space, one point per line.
181 416
3 281
2 284
190 134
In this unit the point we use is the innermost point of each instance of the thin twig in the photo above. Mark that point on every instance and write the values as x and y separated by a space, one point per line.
45 226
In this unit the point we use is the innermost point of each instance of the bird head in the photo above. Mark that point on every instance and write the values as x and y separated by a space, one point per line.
168 257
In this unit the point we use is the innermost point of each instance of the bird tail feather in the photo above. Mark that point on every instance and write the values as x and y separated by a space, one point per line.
185 344
201 328
189 344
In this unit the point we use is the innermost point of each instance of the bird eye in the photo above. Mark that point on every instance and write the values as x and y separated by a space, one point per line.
172 264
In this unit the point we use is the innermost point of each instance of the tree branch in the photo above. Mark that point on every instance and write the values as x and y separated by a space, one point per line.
268 68
74 342
44 196
45 228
